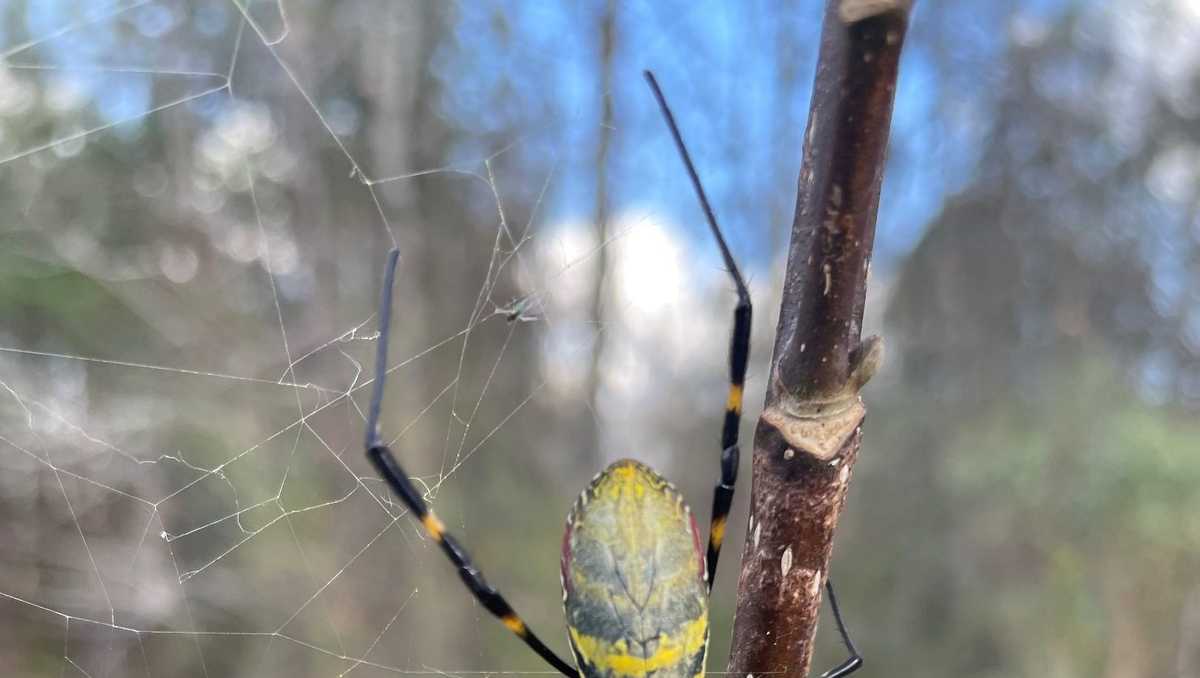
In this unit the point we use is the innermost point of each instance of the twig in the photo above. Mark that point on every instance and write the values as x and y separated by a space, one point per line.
809 434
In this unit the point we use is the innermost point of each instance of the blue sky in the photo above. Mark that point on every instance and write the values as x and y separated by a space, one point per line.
534 66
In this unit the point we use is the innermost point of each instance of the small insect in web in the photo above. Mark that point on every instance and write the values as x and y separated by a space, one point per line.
631 556
520 310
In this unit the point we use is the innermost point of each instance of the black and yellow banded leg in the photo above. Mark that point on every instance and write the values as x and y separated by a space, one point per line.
722 500
390 470
739 356
739 352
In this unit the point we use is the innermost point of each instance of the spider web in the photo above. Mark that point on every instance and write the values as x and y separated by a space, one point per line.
188 496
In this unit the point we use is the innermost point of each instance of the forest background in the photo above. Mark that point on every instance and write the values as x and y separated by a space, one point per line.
195 199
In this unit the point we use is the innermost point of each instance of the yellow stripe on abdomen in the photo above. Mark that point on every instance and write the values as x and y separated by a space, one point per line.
672 651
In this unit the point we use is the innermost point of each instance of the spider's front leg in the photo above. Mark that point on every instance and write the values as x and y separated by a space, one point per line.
739 352
739 357
390 470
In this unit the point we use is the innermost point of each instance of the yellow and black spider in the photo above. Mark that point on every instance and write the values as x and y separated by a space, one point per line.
635 584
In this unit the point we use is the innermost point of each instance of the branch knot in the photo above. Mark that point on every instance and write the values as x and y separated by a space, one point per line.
820 425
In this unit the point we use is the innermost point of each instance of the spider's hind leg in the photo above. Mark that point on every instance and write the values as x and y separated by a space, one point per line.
855 661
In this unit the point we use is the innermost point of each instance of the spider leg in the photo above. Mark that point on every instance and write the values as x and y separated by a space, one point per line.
739 354
854 662
389 468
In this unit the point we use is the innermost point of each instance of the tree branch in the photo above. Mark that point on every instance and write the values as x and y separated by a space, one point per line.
809 434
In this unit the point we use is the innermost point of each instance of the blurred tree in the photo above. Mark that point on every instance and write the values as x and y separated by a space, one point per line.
600 297
1026 472
1060 282
1078 228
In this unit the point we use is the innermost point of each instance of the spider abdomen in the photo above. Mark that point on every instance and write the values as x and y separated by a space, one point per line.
633 578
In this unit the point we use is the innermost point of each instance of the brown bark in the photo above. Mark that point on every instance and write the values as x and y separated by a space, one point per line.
809 435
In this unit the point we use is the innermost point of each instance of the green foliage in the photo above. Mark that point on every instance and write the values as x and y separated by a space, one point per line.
1085 454
79 311
1052 527
1090 495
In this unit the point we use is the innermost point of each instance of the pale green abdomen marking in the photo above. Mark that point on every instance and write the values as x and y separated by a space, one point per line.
633 578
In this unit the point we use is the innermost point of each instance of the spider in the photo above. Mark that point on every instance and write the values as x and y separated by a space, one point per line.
635 583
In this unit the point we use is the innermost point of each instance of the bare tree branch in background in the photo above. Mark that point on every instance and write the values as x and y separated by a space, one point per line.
809 434
608 21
